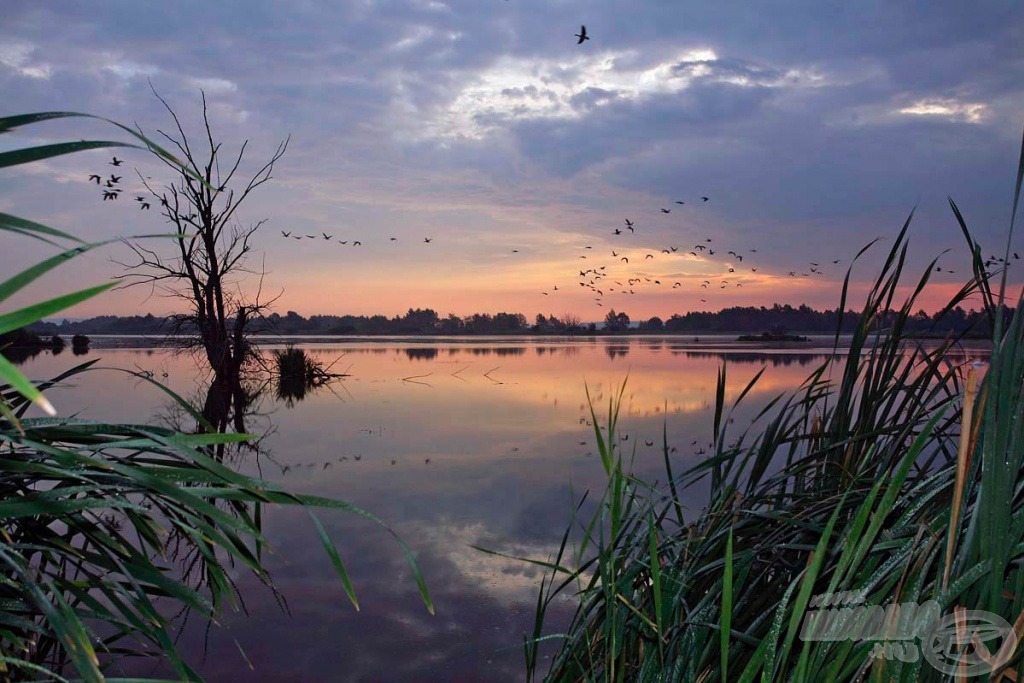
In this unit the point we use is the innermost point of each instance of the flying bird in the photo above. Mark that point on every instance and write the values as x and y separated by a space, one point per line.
144 206
326 236
582 35
285 234
705 198
95 178
666 210
427 240
116 162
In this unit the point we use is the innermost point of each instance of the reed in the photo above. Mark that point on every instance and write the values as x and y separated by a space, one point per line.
892 475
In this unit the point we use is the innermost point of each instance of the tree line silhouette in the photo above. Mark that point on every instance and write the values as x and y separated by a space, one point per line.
426 321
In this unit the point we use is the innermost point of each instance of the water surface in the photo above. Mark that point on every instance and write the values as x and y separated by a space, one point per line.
452 443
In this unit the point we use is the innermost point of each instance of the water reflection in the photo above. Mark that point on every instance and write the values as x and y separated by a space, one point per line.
479 451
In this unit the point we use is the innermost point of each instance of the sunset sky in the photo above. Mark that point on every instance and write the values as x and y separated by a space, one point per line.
813 127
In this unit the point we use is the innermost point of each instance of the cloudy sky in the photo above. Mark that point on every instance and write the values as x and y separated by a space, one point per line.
813 127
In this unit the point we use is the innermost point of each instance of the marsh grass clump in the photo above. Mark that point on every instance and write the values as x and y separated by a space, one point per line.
299 374
893 474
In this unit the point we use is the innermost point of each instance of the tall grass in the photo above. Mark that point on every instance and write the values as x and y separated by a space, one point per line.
94 517
890 475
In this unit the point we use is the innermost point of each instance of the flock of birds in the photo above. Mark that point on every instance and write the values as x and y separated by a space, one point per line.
109 186
619 277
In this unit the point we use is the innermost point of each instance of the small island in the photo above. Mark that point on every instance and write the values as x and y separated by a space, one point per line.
773 335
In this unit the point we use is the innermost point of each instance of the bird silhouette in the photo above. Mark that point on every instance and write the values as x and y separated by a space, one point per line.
616 231
582 35
427 240
666 210
312 237
681 203
625 259
116 162
144 206
95 178
285 234
705 198
326 236
109 195
342 241
357 243
115 179
648 256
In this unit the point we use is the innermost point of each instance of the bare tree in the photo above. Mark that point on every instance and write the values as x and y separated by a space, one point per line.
209 263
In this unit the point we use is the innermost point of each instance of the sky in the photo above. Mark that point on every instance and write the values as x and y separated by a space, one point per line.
812 127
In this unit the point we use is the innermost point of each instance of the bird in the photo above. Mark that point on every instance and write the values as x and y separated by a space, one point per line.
312 237
140 199
116 162
515 251
285 234
616 231
836 261
648 256
705 198
144 206
582 35
394 239
109 195
625 259
326 236
629 224
427 240
666 210
115 179
357 243
679 202
95 178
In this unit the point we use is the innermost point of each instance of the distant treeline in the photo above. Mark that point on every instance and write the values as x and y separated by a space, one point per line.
738 319
426 322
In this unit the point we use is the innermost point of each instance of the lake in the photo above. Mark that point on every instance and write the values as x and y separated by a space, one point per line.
452 443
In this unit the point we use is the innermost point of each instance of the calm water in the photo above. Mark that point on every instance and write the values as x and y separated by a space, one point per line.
504 425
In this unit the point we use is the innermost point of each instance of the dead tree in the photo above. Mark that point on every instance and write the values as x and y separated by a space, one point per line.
208 266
